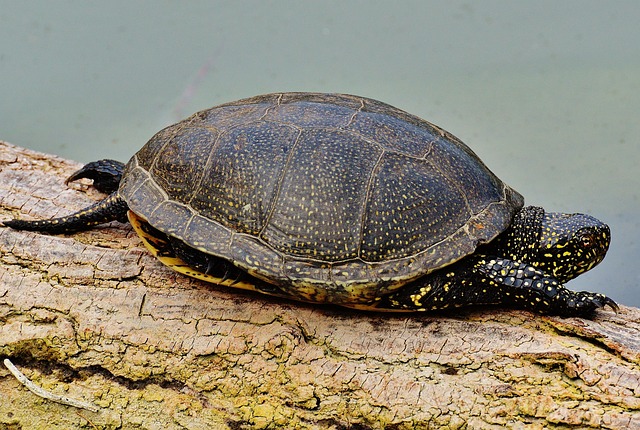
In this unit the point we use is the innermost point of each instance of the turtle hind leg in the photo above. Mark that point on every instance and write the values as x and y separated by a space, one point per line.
106 175
113 208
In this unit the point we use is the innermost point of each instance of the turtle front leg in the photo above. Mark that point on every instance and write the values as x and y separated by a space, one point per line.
533 289
482 280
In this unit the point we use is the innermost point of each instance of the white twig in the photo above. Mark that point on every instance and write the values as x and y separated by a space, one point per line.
39 391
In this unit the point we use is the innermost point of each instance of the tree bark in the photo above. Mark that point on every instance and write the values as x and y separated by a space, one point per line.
93 316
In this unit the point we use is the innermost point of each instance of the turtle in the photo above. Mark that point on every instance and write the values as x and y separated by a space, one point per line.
340 199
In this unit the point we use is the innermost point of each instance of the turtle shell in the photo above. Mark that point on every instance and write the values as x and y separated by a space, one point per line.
333 197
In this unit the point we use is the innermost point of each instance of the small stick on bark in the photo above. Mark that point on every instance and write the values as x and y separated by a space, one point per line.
39 391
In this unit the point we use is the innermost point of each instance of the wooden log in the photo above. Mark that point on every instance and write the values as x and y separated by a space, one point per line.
93 316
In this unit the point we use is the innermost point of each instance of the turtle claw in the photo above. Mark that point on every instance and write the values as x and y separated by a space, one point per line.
582 304
601 301
585 303
613 305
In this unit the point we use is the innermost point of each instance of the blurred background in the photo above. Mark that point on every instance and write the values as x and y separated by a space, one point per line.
547 93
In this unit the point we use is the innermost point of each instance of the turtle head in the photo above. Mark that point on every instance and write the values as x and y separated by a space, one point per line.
571 244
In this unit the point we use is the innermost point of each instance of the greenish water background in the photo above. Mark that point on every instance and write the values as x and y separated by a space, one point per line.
546 92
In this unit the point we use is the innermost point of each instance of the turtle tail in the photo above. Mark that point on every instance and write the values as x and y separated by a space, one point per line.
113 208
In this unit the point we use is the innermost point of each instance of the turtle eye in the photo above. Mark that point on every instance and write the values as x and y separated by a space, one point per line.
587 241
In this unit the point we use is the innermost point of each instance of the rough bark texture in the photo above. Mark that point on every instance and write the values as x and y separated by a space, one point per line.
95 317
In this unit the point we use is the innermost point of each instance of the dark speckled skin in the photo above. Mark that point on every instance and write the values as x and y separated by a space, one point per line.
524 267
341 199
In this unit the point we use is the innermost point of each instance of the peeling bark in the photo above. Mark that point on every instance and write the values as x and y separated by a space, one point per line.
94 317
